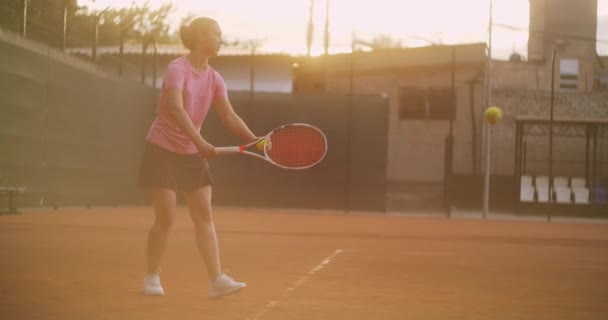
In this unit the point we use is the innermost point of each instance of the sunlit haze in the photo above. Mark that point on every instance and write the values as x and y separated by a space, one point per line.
281 26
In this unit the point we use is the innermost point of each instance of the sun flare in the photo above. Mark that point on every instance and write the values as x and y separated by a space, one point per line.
281 26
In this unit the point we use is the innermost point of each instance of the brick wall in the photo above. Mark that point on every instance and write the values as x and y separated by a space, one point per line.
537 76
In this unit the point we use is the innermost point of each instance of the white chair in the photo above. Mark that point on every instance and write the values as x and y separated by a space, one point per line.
526 194
542 181
526 181
563 194
560 182
542 192
578 182
581 195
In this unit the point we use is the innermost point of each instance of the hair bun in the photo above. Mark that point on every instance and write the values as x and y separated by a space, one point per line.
186 36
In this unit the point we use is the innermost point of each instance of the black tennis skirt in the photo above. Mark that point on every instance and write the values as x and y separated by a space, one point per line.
161 168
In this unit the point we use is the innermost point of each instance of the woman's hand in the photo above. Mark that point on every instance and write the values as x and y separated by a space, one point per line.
205 149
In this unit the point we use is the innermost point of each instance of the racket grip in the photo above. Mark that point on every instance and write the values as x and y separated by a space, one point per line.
227 150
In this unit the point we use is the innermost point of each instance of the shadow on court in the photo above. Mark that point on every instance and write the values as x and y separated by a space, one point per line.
88 264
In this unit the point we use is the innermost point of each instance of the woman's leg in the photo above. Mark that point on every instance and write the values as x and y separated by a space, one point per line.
164 203
199 205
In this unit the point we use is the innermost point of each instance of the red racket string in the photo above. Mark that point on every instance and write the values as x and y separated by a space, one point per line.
297 146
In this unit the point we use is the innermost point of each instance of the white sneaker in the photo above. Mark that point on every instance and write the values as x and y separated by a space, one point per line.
152 285
225 285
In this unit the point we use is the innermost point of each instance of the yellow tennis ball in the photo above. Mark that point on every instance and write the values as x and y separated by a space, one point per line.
492 114
260 145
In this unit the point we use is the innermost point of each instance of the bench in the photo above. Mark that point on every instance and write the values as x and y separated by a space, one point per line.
11 193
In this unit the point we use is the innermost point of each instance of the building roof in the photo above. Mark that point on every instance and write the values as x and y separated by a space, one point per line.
391 58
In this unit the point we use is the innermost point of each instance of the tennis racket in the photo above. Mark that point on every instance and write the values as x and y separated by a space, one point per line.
294 146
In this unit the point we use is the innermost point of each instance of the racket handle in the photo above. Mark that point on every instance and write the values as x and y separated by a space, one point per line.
228 150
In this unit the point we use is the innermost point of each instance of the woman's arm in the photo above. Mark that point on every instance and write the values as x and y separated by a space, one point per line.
179 115
232 121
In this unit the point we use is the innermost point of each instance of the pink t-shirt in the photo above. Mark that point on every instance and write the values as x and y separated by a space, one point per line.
198 91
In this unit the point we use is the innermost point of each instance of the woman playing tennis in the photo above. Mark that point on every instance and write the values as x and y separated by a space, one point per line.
175 154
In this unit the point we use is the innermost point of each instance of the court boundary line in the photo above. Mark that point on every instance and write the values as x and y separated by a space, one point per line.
275 303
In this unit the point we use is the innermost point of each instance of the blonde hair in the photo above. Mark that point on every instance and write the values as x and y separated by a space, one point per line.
189 32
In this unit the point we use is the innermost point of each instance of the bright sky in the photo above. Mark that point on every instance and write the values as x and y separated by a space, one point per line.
280 25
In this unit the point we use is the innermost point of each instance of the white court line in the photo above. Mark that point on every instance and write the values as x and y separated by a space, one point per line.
275 303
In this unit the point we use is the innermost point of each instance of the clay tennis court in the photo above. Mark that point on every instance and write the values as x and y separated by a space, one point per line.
89 263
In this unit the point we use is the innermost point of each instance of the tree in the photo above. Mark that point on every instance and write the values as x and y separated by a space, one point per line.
135 23
44 18
11 13
45 22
